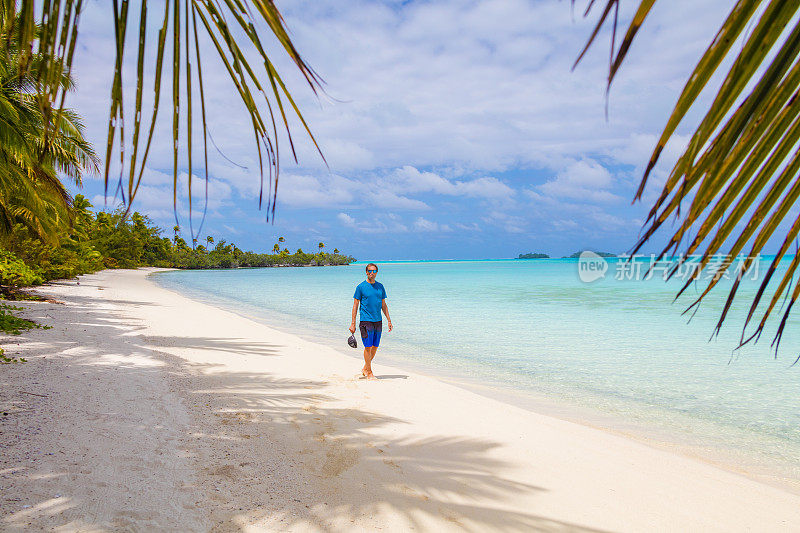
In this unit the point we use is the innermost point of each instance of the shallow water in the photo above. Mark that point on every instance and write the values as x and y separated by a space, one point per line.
533 330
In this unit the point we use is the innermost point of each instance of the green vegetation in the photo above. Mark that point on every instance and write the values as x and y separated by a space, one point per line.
533 255
14 272
108 240
5 360
13 325
577 254
39 144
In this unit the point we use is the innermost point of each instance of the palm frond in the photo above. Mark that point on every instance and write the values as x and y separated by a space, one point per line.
213 17
38 143
740 173
57 37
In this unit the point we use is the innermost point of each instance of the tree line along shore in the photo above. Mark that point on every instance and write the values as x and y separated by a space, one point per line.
96 241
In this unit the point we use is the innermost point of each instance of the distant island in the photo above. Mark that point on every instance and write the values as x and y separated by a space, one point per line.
577 254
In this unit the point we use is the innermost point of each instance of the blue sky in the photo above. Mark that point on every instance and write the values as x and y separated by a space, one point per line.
451 129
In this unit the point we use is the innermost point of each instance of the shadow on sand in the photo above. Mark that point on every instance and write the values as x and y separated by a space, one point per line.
266 449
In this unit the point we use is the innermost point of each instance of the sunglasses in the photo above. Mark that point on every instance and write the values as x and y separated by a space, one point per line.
372 271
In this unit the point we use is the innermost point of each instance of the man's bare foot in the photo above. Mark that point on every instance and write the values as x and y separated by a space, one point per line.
371 376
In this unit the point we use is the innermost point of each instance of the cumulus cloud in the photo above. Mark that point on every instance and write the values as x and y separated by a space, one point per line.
439 107
584 180
466 92
423 224
312 191
346 219
411 180
392 200
507 221
388 224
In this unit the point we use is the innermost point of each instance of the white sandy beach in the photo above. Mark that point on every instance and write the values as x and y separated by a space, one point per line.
142 410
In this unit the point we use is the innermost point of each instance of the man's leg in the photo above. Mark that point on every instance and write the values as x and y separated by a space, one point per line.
369 355
371 338
366 339
367 360
373 349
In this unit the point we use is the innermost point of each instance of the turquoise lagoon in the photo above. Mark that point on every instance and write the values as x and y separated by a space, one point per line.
613 352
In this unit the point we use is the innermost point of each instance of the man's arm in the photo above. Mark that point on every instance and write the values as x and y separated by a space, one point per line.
355 310
385 309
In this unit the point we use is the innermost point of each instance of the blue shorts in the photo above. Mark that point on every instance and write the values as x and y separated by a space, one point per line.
370 333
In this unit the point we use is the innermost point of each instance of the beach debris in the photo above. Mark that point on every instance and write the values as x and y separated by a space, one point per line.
33 394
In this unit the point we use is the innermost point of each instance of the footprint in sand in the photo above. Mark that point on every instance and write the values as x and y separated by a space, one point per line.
338 460
408 491
392 464
228 471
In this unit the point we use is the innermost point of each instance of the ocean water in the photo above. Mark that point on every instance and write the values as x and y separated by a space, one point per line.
612 352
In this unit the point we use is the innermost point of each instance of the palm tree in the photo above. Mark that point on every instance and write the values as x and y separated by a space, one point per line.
209 240
336 251
232 26
281 239
276 248
82 217
36 142
740 172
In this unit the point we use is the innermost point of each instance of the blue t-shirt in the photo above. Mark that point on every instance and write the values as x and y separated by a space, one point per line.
371 296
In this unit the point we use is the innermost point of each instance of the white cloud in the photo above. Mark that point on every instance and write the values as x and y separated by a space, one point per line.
346 219
412 180
467 227
434 86
425 225
392 200
378 225
396 223
583 180
409 179
311 191
465 90
509 222
485 188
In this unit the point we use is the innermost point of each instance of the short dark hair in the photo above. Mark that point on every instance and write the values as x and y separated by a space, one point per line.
371 265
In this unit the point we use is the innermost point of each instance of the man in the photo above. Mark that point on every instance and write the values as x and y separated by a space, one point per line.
372 297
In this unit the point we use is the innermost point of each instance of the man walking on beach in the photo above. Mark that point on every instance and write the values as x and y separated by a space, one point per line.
372 297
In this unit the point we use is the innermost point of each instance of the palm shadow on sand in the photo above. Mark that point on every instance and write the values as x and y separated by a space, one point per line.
298 455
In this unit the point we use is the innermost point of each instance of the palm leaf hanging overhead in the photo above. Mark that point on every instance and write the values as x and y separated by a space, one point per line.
37 147
740 173
229 25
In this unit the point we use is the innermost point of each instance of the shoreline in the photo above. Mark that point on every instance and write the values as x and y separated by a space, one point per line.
708 449
158 411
